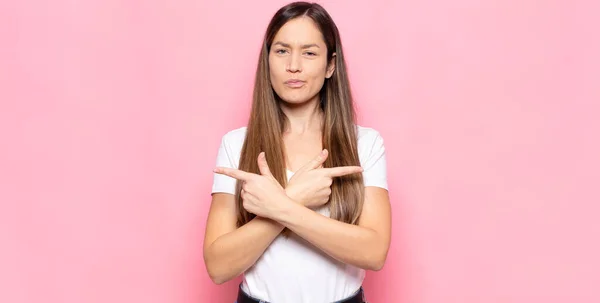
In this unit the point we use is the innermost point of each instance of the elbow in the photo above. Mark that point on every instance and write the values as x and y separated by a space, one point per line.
375 264
216 276
221 269
376 261
217 279
215 272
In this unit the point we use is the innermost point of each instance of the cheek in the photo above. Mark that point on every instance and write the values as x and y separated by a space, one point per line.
318 78
317 83
318 71
275 72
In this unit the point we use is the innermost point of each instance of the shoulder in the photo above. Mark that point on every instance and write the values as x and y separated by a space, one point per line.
368 138
234 138
370 144
372 156
366 132
234 135
228 155
231 146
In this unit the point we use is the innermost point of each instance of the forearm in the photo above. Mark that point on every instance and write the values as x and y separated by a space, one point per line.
231 254
359 246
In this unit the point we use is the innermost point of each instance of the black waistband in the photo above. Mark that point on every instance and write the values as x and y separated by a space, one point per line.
242 297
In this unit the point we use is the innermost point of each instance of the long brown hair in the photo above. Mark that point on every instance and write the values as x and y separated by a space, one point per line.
267 120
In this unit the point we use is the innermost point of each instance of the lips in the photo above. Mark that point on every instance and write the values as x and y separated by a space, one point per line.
294 83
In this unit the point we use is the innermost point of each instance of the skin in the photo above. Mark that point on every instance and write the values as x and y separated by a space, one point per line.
298 52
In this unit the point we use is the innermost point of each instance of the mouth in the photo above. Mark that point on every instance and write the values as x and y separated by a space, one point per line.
294 83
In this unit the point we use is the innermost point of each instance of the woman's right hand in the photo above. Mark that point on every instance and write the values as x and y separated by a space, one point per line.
311 184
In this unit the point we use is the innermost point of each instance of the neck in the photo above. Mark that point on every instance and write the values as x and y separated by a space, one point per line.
303 118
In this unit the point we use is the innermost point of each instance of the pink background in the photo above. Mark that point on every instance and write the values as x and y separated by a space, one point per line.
112 112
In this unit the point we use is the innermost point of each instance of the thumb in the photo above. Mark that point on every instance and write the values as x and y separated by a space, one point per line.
263 166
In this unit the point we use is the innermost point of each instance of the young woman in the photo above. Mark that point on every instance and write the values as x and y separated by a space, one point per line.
300 204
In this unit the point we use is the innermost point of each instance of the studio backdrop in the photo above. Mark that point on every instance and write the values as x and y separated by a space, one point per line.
112 112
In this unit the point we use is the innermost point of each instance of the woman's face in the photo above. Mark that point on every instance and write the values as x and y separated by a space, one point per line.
298 61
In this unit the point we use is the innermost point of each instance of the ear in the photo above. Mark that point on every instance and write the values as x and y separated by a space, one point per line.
330 67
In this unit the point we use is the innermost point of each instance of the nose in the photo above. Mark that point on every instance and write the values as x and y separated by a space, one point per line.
294 63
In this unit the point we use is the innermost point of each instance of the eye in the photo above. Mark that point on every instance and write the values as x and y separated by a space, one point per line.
311 54
280 51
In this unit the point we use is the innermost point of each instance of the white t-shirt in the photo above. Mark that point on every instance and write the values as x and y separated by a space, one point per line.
291 269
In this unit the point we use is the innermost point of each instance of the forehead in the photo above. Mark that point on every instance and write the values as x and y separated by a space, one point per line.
299 31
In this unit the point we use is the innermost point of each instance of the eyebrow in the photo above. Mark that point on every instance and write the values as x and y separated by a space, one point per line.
303 46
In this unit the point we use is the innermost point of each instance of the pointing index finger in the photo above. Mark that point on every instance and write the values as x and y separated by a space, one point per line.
234 173
343 170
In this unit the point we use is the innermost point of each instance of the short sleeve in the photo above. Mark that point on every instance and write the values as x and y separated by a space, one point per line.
375 166
223 183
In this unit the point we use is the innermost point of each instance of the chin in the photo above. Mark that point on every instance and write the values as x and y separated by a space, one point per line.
295 99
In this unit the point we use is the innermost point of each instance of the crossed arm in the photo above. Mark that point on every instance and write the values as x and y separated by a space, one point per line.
229 251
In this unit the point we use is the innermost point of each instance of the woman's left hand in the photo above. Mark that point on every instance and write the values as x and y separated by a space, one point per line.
262 195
